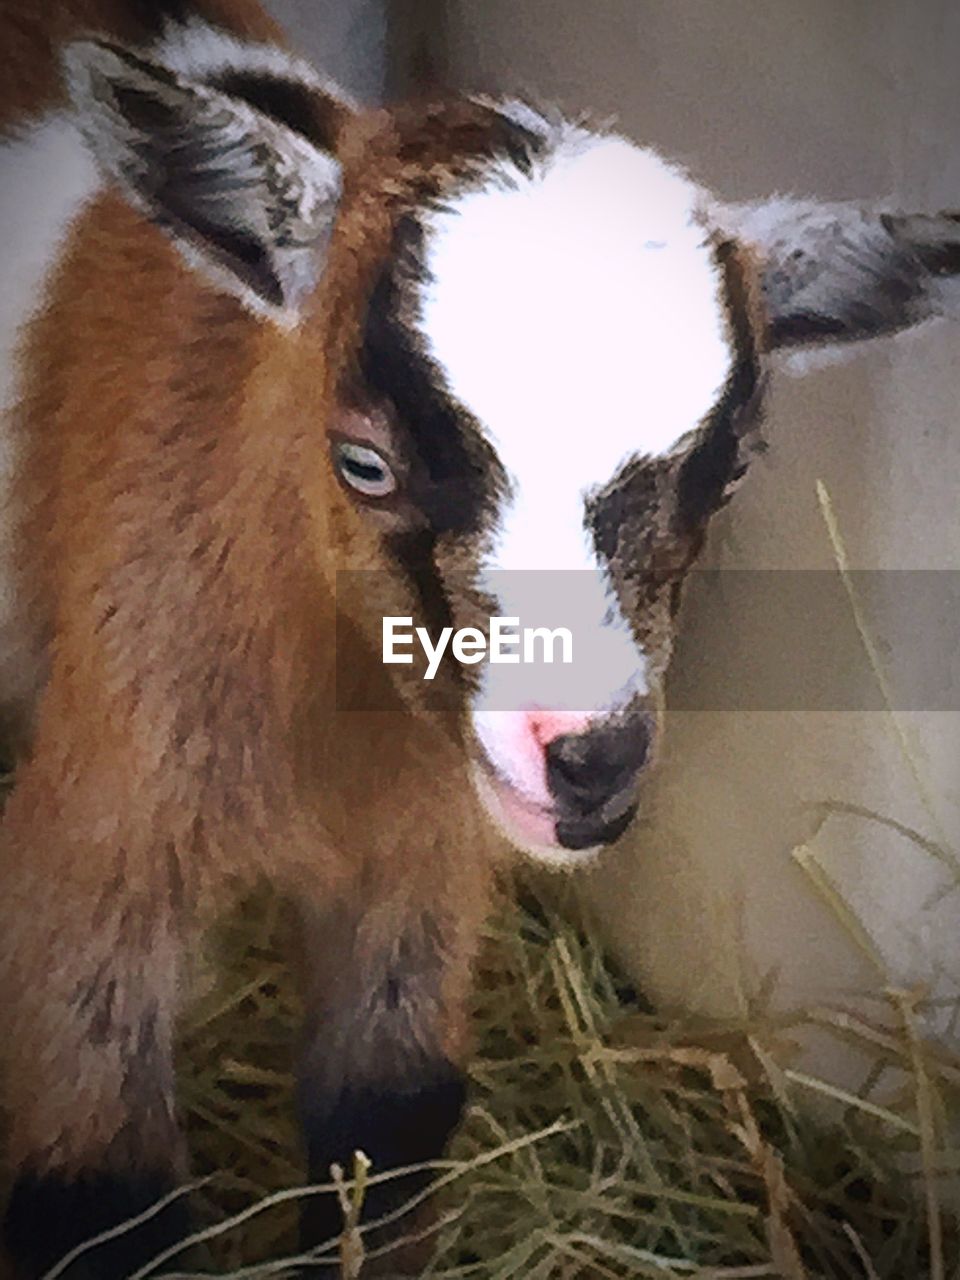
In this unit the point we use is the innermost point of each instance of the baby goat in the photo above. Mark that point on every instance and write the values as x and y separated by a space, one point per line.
272 370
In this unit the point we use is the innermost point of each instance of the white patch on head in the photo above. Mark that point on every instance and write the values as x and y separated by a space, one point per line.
46 177
198 51
578 315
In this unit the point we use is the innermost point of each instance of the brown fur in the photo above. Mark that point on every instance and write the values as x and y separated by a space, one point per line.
163 484
180 540
35 30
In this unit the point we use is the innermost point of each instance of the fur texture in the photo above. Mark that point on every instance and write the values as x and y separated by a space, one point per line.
259 276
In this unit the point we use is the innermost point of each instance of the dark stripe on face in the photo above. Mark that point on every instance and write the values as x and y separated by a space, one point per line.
720 459
647 524
455 475
634 496
307 111
455 478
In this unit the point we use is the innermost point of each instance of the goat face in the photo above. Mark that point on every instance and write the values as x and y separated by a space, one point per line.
606 352
576 340
556 362
542 351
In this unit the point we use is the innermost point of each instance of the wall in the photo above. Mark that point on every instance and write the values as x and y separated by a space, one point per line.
347 39
705 902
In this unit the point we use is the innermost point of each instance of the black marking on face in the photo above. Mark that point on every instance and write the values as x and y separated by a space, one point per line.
305 110
717 462
648 523
720 458
633 524
394 1127
455 476
414 551
633 495
48 1215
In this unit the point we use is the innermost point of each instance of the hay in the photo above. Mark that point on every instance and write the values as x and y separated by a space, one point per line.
600 1139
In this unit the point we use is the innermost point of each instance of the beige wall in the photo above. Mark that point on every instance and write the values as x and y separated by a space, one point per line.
852 100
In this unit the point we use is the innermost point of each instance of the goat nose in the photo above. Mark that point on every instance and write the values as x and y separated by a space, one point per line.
586 770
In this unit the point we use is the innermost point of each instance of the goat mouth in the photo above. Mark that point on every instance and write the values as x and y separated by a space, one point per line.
593 833
548 833
520 818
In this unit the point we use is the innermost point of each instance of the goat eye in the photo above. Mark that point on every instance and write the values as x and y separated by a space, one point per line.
365 470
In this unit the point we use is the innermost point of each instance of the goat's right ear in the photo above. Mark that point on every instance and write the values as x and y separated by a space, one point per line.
247 199
836 273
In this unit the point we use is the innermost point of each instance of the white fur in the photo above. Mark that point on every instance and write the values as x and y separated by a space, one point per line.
46 177
579 316
556 856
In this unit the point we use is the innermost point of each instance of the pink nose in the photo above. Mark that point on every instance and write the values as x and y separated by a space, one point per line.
517 741
544 726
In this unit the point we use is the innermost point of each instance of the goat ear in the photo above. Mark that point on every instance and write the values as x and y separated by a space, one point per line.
838 273
245 198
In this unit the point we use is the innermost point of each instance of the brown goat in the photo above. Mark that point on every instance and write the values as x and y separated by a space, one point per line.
245 365
178 521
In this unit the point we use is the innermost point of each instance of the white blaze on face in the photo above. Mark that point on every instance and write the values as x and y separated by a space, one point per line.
578 315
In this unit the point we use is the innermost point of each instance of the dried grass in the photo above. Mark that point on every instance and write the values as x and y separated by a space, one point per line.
600 1140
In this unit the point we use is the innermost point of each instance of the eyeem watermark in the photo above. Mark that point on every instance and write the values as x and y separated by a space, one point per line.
507 642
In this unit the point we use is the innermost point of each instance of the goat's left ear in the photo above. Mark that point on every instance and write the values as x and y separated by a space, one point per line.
248 200
834 272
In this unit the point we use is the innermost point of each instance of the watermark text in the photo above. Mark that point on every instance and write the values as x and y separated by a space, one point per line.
507 642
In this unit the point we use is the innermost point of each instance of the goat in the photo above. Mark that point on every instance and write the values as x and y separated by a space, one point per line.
275 368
